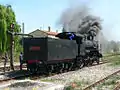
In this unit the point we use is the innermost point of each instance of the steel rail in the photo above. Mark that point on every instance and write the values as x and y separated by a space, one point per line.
101 81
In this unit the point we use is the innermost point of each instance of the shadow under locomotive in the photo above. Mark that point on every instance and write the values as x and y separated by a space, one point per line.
71 51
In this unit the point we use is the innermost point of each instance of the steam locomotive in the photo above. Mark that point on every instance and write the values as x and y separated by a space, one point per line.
69 52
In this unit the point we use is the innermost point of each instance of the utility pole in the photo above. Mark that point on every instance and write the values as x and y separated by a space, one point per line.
12 47
22 32
23 28
12 34
11 44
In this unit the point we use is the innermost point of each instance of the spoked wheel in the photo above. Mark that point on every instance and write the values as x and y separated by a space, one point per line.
97 60
80 64
32 71
91 61
59 68
86 62
65 67
71 66
50 68
46 70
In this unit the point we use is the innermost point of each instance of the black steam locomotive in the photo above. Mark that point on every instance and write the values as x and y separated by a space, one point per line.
70 51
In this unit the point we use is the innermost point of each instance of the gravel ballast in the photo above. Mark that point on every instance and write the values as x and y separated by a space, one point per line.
83 77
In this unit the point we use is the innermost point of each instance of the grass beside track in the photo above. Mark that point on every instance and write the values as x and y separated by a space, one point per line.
109 84
114 60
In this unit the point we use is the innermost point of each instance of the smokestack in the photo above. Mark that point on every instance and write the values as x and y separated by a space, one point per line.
49 28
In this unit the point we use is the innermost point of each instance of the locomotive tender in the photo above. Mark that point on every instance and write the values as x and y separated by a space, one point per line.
70 51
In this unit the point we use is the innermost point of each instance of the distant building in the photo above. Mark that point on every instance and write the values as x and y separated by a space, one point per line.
43 33
38 33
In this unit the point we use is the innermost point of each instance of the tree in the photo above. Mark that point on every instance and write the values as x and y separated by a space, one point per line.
3 28
114 46
7 17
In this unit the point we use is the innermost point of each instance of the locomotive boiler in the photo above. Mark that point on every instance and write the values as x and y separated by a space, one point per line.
70 51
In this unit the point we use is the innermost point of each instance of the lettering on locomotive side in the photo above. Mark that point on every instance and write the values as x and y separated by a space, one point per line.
34 48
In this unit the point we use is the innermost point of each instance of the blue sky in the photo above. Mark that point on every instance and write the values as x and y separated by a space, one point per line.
44 13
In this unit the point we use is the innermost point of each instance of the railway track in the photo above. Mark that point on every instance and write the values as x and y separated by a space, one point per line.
34 77
103 80
13 78
17 67
7 68
112 55
24 66
117 87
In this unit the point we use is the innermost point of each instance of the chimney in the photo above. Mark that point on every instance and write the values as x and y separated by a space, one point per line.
49 28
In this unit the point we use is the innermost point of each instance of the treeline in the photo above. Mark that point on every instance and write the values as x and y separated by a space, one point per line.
7 17
111 46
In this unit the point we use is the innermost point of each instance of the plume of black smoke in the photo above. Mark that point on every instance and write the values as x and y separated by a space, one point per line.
79 19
